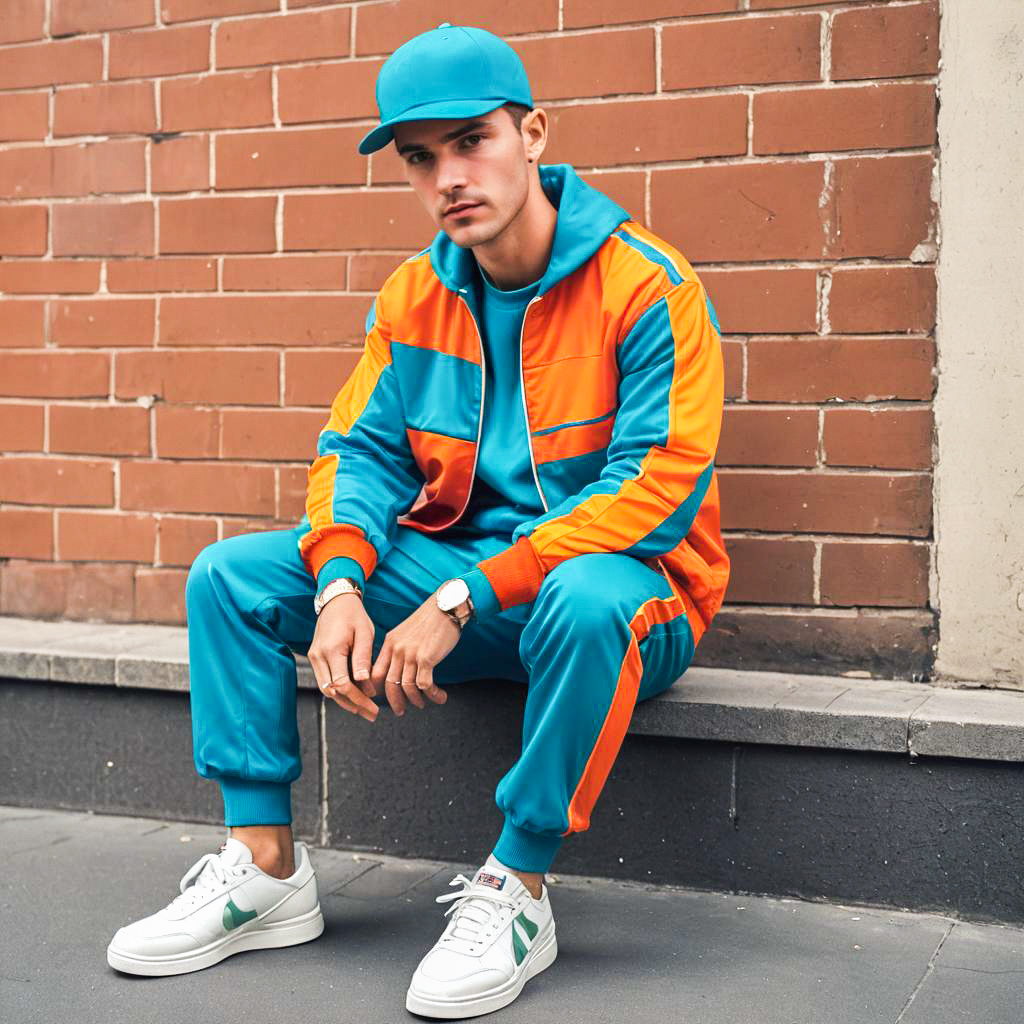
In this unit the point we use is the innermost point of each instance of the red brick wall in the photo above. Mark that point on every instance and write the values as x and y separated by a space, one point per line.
189 242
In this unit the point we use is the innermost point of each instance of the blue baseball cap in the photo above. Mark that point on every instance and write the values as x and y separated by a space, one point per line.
452 71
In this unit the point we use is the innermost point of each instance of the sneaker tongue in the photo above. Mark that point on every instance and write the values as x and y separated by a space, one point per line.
492 875
234 851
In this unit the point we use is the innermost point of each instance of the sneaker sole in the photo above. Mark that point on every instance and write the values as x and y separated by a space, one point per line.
541 957
269 936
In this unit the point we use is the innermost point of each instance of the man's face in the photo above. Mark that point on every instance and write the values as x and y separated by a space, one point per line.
477 161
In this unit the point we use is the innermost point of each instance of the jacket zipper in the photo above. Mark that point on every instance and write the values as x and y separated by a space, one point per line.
483 394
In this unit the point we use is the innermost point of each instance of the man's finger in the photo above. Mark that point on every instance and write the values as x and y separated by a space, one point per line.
426 685
396 697
321 673
409 687
362 649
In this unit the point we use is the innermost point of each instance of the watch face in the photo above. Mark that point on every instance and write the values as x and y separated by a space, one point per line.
452 594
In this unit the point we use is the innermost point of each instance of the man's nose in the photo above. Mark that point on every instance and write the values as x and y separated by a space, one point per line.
451 175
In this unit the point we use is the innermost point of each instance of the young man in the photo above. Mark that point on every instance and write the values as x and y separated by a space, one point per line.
516 481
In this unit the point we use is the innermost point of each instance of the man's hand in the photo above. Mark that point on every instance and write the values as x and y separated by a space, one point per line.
405 664
342 629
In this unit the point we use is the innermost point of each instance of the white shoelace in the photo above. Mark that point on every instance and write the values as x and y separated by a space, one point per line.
198 878
475 907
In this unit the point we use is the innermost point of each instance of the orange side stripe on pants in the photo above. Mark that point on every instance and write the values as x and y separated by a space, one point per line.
613 731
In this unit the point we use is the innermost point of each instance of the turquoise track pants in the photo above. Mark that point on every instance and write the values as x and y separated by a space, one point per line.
604 632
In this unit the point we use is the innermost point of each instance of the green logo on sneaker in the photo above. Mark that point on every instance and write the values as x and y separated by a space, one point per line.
234 916
530 928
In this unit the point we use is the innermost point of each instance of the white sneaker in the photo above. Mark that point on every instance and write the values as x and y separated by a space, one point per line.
498 938
226 904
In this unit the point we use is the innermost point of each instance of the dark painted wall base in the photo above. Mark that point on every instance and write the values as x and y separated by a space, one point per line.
937 834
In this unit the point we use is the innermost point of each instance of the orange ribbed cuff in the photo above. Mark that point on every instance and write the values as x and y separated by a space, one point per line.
343 539
514 574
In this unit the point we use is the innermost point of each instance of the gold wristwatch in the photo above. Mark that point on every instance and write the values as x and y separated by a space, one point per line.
344 585
454 600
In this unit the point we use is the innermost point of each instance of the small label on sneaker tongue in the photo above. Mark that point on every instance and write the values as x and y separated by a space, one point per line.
494 881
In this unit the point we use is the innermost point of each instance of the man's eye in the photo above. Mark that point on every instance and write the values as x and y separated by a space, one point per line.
413 160
472 137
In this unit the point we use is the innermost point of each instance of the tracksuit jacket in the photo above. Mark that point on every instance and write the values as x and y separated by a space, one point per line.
622 390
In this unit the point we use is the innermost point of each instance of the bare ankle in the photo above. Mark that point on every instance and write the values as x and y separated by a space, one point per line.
272 846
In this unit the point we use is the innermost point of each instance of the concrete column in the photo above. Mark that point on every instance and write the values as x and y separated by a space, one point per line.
979 407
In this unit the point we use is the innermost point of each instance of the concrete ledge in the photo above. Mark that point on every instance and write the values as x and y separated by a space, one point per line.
706 704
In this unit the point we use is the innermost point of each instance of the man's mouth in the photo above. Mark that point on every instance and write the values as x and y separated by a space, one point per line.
461 208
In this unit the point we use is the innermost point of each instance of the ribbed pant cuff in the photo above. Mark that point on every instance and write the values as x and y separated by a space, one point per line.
523 850
252 802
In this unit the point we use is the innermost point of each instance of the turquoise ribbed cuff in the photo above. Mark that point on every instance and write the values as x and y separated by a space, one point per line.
523 850
481 593
253 802
338 566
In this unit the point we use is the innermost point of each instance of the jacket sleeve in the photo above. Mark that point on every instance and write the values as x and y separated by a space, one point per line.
364 475
661 455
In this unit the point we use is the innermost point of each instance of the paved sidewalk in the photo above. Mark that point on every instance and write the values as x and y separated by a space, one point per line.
626 952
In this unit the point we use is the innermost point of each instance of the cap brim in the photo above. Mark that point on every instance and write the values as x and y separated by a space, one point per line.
380 136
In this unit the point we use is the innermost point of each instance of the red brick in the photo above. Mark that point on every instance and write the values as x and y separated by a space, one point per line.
593 64
99 592
114 108
22 21
328 92
218 224
357 220
876 299
21 427
23 230
197 487
161 51
52 63
387 167
845 117
880 207
262 319
191 10
160 596
309 35
756 5
680 128
185 432
383 27
47 481
765 571
78 323
367 271
315 377
22 323
581 13
763 301
26 533
810 502
35 589
759 50
885 42
235 99
292 489
768 437
740 212
733 356
626 188
279 434
879 575
54 374
285 273
181 164
882 438
242 377
165 274
74 17
268 159
122 228
74 170
237 527
181 538
105 537
46 276
853 369
99 429
24 116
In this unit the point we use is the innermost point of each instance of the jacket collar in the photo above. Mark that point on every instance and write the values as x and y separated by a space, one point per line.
586 217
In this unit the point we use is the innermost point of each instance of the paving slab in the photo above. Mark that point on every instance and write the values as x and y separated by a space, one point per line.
627 952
